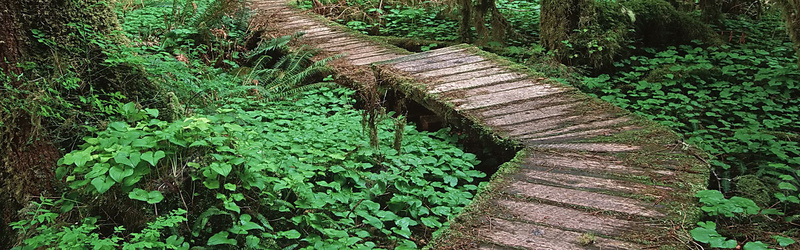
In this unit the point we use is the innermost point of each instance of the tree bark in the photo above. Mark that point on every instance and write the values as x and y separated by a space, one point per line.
791 14
475 15
466 21
557 20
9 38
712 11
28 150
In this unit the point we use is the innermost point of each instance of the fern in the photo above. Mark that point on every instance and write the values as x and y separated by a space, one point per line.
290 74
212 15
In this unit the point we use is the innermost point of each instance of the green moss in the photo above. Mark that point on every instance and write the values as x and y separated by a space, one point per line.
751 187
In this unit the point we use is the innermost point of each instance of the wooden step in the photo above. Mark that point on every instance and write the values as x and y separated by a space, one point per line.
600 202
501 233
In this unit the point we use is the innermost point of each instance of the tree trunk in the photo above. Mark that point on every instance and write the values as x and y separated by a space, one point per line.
557 21
712 11
683 5
466 21
791 14
28 150
475 15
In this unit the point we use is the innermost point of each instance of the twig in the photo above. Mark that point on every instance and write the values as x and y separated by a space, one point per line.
354 208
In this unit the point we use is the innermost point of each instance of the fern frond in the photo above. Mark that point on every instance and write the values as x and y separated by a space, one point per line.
294 91
273 44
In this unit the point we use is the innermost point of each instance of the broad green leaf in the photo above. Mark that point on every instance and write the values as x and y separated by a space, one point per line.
402 232
783 241
153 157
441 210
102 184
138 194
756 245
135 158
131 180
221 168
118 173
80 158
370 205
405 222
154 197
450 180
230 205
431 222
198 143
721 242
152 112
151 197
221 238
61 172
252 241
97 170
291 234
211 183
123 157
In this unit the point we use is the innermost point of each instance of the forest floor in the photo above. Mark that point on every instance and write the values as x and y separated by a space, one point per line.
590 175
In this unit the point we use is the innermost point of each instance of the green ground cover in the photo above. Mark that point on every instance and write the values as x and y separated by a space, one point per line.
253 158
737 100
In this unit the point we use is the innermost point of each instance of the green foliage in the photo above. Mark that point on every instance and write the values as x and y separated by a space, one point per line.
85 234
523 16
707 233
288 75
305 162
717 204
601 37
271 163
430 21
418 22
194 49
736 102
66 94
658 23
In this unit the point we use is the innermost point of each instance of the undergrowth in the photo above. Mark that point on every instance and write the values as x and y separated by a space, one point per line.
257 152
287 174
738 102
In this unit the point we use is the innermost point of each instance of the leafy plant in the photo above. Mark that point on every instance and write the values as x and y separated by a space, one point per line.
290 73
736 103
305 162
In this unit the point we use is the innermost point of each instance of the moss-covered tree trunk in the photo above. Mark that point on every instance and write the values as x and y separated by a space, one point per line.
475 14
712 11
557 21
683 5
791 14
28 149
466 21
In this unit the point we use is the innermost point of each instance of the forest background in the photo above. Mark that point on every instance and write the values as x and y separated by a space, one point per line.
118 118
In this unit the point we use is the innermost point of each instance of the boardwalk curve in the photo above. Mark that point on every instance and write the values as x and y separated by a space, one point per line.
590 176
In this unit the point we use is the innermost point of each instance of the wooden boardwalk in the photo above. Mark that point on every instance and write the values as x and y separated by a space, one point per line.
591 176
